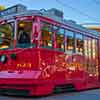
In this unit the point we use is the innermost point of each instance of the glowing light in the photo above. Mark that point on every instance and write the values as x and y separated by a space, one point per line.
62 46
4 46
90 75
48 75
72 68
95 74
49 44
69 72
56 60
21 25
43 64
40 68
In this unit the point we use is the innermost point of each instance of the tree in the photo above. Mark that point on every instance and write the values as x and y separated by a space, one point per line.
2 7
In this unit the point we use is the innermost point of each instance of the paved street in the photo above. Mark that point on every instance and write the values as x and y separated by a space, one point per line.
86 95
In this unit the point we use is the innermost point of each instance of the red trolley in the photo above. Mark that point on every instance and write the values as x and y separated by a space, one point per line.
41 53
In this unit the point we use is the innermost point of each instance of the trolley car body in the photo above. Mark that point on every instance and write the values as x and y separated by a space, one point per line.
57 56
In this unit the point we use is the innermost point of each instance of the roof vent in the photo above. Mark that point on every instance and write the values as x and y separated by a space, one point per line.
72 21
56 12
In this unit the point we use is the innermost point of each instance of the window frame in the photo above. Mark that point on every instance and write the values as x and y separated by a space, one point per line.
62 33
18 45
82 39
52 40
66 41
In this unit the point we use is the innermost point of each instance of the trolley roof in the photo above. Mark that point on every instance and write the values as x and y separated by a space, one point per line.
53 13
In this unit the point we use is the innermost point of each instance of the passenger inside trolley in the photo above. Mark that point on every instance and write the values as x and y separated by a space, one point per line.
23 36
24 33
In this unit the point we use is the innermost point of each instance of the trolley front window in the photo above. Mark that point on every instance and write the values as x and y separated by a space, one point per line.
24 30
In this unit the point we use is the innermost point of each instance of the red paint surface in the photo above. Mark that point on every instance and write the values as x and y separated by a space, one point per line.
48 69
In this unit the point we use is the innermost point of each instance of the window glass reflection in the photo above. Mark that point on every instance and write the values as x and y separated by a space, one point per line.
69 41
79 43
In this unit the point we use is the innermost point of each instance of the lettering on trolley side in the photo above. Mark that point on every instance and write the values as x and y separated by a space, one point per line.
24 65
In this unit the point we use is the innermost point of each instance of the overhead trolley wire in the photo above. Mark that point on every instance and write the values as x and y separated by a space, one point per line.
96 2
77 11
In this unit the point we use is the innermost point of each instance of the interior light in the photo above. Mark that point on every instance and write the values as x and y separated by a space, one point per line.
21 24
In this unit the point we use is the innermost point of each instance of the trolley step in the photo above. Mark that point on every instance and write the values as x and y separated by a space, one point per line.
15 92
64 88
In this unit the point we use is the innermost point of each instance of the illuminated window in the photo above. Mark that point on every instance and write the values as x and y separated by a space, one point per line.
46 35
96 52
70 41
85 47
91 55
24 33
6 35
79 43
89 48
93 48
60 39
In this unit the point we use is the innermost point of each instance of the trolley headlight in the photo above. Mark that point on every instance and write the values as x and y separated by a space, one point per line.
3 58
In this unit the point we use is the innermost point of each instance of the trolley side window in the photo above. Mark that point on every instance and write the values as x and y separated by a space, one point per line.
96 52
79 43
91 55
46 35
59 36
6 35
94 48
24 33
69 41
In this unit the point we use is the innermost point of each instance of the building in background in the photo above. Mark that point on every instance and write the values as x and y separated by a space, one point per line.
93 26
